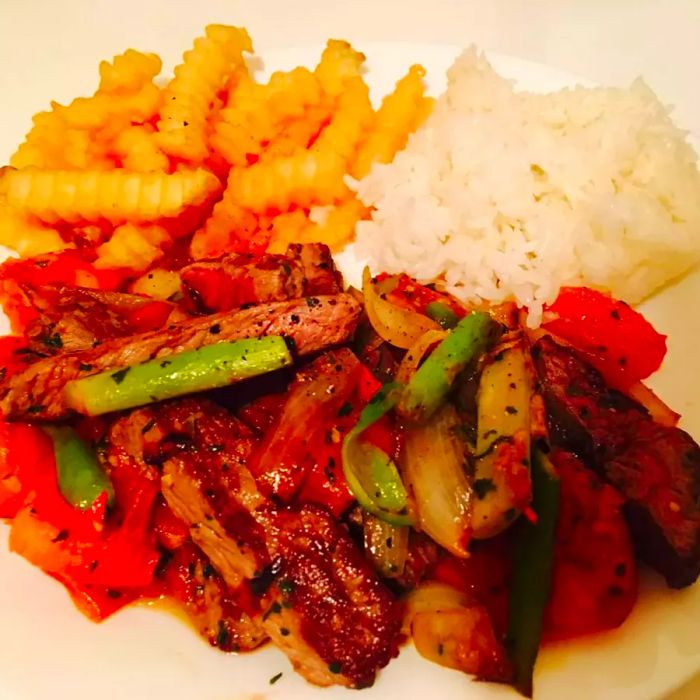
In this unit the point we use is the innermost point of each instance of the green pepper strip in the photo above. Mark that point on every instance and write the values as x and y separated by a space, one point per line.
186 372
371 474
442 313
429 386
532 572
81 478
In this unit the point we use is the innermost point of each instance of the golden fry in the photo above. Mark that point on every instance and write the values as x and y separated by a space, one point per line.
134 247
338 225
227 223
302 179
339 64
138 150
287 228
395 120
205 70
257 114
26 236
347 126
115 195
157 283
129 71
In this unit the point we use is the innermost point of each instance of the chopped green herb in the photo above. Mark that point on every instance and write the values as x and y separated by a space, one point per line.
286 586
483 487
274 609
345 409
335 667
149 426
223 637
119 375
275 678
53 341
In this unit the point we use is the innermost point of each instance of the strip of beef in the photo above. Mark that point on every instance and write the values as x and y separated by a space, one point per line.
656 468
240 279
323 604
321 276
310 324
220 616
77 318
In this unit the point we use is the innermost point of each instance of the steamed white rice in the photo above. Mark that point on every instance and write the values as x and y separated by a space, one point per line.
511 195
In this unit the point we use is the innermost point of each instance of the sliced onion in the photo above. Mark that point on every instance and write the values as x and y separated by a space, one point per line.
432 596
462 639
415 354
398 326
371 474
452 629
658 410
386 545
433 465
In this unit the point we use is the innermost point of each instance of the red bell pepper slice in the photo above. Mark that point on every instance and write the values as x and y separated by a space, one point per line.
615 338
103 559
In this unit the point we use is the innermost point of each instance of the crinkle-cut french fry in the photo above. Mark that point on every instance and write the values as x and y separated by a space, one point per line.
27 236
338 225
397 117
43 145
349 123
257 114
287 228
94 112
114 195
227 224
339 63
302 179
157 283
424 110
129 71
299 133
137 150
133 247
188 98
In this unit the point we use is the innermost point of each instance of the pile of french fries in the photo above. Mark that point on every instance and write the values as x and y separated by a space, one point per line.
213 155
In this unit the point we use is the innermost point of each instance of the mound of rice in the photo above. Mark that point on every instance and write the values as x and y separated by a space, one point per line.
511 195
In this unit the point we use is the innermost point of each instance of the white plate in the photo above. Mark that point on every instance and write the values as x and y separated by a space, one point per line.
49 650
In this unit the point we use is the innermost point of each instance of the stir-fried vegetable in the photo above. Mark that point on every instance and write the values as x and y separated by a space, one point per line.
502 475
442 314
534 553
187 372
371 474
81 478
433 464
414 355
616 339
386 545
453 630
399 326
430 384
281 462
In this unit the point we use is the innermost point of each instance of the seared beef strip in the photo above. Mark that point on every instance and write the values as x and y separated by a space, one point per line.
324 606
321 276
240 279
220 617
77 318
656 468
310 324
